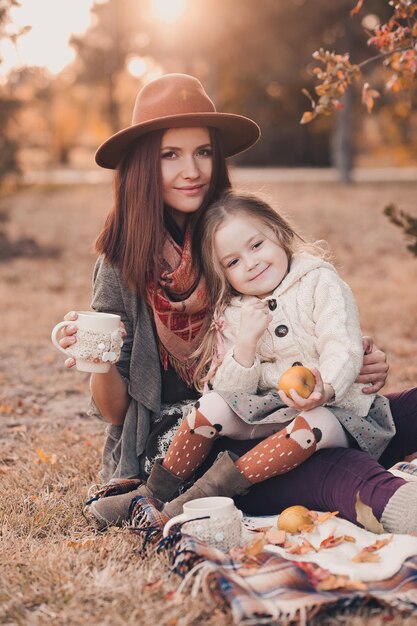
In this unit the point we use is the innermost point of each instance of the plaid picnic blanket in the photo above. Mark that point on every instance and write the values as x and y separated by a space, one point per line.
276 589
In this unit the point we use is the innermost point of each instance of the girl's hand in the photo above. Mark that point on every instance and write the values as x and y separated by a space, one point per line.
374 369
69 336
321 394
254 320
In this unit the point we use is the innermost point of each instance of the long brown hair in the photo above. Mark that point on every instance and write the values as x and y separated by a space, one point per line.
219 290
133 234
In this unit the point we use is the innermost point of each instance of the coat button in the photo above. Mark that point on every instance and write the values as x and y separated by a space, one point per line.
281 330
272 304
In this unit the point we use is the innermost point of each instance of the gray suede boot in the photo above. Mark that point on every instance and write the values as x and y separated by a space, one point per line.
400 513
162 485
221 479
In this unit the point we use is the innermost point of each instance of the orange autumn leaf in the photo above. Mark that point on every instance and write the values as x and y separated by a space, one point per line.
367 554
301 548
255 547
366 517
368 96
340 582
154 584
323 517
356 8
317 518
276 537
366 557
50 459
307 117
331 541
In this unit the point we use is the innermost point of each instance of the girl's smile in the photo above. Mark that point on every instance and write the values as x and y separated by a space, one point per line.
253 261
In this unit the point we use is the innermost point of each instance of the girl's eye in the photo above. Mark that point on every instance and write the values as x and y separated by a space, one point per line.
170 154
258 244
231 263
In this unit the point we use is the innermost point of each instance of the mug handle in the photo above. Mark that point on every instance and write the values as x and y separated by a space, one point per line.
54 339
174 520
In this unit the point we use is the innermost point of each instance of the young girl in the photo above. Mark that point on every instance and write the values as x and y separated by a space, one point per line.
275 304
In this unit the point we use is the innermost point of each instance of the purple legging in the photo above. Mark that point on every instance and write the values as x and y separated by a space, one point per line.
331 478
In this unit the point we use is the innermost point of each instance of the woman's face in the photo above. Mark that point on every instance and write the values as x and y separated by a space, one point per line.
186 164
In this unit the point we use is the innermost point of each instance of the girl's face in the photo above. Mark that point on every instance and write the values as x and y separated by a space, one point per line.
186 164
252 260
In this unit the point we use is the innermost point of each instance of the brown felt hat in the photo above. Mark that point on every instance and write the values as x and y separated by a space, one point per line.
173 101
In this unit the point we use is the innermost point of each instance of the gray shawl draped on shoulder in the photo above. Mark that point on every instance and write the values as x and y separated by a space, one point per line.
139 365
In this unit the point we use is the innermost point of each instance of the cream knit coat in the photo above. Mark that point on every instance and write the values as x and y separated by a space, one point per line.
318 313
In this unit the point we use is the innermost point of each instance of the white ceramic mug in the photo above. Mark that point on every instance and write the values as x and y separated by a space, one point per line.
222 527
99 340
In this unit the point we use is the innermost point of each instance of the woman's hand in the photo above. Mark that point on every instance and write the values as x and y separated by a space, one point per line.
374 369
320 395
69 335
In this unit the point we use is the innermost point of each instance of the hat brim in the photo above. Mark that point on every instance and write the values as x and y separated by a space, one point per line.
238 133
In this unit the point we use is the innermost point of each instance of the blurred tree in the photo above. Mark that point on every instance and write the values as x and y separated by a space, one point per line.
249 55
396 43
103 50
8 104
252 58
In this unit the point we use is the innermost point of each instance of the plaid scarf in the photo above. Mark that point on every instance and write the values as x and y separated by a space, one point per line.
179 306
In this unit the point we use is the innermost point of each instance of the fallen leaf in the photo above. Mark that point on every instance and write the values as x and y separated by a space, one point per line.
254 547
301 548
45 458
365 516
154 584
367 554
340 582
323 517
276 537
331 541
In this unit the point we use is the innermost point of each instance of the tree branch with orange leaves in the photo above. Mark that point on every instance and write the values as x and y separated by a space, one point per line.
396 42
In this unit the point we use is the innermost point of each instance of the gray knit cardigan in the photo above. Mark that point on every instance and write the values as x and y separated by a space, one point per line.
139 365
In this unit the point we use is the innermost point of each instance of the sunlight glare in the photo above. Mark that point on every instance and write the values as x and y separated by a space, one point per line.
168 10
137 66
46 44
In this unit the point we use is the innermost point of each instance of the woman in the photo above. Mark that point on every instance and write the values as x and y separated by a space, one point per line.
170 165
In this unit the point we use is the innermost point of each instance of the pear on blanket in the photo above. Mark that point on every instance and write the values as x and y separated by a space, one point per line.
293 518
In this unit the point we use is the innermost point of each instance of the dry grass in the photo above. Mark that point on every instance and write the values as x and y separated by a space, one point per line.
55 568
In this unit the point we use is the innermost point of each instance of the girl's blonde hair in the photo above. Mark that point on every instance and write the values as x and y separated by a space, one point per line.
218 289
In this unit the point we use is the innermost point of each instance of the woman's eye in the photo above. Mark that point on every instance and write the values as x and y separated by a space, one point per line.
205 152
168 155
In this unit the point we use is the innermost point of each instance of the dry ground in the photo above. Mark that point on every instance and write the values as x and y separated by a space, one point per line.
54 567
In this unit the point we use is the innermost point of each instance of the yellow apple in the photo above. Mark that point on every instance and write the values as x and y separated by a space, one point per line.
293 518
299 378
